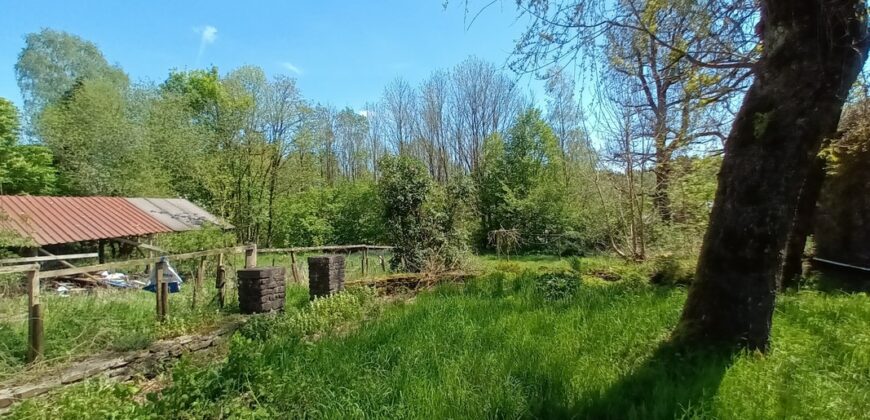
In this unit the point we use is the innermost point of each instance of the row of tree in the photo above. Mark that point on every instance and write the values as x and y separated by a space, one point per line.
288 171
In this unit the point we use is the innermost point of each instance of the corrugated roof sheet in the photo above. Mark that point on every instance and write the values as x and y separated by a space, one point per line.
176 213
57 220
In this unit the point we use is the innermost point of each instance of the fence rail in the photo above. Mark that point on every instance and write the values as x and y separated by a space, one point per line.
48 258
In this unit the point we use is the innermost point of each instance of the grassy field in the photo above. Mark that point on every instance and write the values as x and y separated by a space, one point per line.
510 345
118 320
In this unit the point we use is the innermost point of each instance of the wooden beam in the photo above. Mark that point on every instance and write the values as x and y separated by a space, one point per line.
142 261
48 257
18 268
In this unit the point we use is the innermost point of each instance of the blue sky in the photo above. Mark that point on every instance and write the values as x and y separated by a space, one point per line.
341 52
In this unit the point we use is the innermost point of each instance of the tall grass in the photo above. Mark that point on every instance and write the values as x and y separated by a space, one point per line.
506 346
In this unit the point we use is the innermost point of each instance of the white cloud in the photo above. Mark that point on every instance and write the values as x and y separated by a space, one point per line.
291 68
364 112
208 34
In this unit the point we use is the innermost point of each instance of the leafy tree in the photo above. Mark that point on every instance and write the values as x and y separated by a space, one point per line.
809 55
404 187
53 61
97 146
520 188
23 168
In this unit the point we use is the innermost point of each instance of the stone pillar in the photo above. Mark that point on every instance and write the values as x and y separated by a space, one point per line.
261 289
325 275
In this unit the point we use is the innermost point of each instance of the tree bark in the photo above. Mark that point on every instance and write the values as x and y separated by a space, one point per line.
802 226
813 52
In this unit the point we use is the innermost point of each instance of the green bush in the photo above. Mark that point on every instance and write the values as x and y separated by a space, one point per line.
557 285
670 270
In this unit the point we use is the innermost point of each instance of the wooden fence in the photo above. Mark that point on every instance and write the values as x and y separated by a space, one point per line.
35 343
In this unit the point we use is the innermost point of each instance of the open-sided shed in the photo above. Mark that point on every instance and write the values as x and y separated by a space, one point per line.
43 221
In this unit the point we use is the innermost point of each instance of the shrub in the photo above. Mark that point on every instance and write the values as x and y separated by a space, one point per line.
557 285
670 270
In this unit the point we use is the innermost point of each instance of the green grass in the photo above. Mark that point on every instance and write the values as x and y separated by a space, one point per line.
113 320
499 348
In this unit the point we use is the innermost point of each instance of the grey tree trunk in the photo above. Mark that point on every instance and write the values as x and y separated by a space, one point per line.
813 52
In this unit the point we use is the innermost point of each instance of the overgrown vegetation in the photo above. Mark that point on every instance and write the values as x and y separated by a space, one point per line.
511 344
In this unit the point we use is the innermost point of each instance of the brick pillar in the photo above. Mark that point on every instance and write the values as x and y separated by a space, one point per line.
325 275
261 289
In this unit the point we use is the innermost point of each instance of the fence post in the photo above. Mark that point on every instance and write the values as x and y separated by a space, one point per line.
293 269
365 262
251 256
162 289
383 264
34 324
220 281
200 276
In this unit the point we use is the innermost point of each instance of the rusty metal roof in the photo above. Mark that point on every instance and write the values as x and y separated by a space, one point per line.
57 220
177 213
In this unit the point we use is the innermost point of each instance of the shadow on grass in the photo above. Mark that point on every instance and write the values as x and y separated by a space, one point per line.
676 381
828 279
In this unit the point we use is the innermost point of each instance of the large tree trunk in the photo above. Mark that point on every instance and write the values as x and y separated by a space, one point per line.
813 51
802 226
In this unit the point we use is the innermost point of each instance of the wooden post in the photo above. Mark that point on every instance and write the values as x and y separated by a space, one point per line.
200 276
293 268
251 256
162 289
383 264
365 261
101 251
34 324
220 281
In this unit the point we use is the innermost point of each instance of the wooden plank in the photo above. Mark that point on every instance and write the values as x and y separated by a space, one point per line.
47 257
35 337
18 268
142 261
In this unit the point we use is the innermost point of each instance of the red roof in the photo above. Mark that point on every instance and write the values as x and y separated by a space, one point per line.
58 220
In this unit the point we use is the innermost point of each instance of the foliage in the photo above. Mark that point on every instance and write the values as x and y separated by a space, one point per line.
97 148
23 168
521 187
671 270
497 348
207 237
557 285
52 62
404 187
349 213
